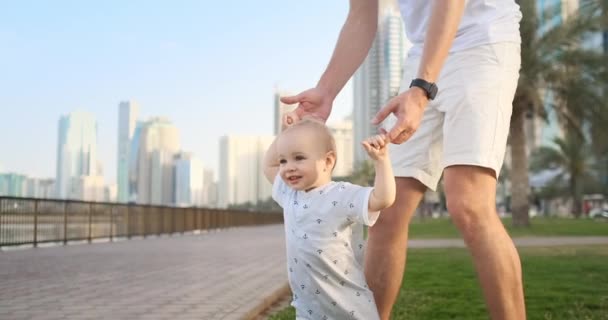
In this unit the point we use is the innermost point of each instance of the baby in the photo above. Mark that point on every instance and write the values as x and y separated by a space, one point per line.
324 220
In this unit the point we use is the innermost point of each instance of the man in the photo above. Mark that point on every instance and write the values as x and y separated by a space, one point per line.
452 117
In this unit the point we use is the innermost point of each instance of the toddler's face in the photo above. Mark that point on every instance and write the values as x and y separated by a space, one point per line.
302 160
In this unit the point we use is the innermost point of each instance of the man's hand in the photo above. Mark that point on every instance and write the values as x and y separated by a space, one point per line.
312 102
408 107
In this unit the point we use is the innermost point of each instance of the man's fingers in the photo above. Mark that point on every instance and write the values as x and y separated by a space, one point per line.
385 111
292 99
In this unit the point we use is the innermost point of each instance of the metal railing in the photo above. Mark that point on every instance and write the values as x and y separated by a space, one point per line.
32 221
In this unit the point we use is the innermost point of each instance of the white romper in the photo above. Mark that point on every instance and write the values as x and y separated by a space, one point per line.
325 249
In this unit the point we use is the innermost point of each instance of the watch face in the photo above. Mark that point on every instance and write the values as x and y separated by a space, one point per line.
433 91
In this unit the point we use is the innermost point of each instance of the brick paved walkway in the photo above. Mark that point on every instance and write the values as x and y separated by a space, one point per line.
218 275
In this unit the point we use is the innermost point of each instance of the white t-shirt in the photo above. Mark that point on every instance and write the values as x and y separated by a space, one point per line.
483 22
325 246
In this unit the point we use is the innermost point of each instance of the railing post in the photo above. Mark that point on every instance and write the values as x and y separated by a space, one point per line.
111 222
90 222
35 223
128 222
65 223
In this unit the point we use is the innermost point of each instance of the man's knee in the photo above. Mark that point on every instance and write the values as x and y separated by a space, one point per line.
471 218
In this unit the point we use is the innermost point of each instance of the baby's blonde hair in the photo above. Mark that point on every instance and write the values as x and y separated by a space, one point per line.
325 135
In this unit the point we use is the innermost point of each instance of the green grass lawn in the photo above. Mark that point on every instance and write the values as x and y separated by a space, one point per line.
560 283
443 228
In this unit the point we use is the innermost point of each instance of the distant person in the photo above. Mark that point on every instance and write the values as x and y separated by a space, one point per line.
451 117
324 220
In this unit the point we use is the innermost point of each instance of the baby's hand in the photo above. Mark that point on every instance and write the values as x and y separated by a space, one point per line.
376 146
289 119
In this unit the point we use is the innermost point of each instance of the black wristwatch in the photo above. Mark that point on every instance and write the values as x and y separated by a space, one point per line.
428 87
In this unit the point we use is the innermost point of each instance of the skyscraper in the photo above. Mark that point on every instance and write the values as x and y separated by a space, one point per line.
241 178
343 134
134 161
76 152
379 77
188 180
159 143
127 120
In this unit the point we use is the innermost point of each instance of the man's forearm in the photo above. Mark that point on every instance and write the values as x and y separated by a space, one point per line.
443 24
352 46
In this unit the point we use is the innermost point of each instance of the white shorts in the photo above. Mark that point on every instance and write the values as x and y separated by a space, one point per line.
468 122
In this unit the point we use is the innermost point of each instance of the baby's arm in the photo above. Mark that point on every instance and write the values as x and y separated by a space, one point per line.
271 162
383 194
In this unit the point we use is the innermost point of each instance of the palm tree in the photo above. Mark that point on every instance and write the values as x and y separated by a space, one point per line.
570 156
548 62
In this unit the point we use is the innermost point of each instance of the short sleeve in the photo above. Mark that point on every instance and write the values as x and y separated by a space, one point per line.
357 203
279 190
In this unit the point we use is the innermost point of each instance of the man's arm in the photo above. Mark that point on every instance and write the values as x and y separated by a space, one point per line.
271 162
443 24
353 44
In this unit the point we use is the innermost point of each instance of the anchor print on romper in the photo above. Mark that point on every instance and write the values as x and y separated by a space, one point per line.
324 318
360 246
310 312
302 286
295 202
317 292
320 251
305 206
335 234
326 277
351 205
319 221
334 203
305 236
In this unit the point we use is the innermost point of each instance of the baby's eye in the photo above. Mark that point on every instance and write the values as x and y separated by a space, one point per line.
300 158
282 161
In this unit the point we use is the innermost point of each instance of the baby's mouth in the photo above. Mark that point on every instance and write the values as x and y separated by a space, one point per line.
294 179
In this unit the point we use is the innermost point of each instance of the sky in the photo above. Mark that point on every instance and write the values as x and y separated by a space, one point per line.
209 66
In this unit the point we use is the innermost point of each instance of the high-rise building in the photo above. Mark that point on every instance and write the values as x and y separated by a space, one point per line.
76 152
13 185
241 179
343 134
158 144
209 189
379 77
134 161
89 188
280 109
127 121
188 180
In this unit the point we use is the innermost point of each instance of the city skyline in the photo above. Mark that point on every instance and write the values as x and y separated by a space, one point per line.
118 52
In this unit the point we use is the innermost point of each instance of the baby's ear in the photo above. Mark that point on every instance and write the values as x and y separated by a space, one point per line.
330 159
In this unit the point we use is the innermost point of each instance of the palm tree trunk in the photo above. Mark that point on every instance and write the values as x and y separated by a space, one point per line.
519 171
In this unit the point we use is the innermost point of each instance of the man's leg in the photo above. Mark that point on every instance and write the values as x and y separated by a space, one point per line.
387 244
471 200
